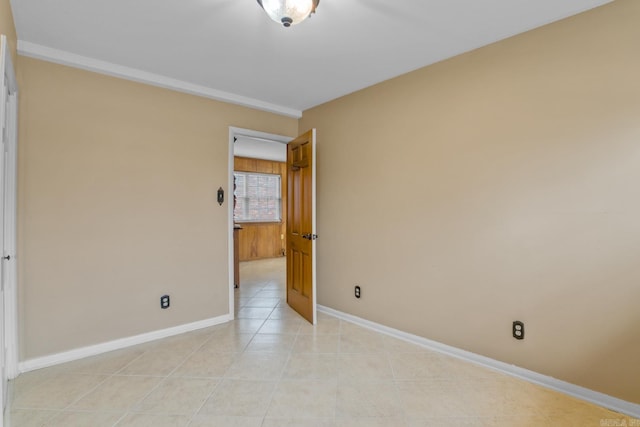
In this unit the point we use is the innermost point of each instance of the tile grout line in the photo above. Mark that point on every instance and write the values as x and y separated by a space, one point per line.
338 376
214 389
279 380
284 367
204 402
128 411
395 382
83 395
223 378
163 381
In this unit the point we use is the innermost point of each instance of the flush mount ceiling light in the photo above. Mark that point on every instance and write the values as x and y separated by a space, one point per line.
289 12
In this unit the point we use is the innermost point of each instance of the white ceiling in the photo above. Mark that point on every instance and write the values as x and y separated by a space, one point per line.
259 148
230 50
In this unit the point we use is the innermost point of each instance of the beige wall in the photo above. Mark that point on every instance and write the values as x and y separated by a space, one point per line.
7 26
117 206
499 185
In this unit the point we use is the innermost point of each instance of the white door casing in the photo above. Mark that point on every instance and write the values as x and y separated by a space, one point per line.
4 111
8 187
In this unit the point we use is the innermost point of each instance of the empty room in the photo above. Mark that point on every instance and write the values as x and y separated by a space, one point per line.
447 236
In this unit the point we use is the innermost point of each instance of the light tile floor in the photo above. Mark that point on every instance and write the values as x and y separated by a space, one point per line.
270 368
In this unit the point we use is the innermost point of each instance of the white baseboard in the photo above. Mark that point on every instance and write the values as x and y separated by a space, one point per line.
93 350
601 399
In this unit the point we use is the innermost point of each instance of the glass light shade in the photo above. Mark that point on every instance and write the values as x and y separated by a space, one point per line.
289 12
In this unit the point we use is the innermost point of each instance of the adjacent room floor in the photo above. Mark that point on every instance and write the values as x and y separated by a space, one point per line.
271 368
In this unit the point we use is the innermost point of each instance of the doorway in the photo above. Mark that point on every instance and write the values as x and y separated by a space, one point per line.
261 155
299 236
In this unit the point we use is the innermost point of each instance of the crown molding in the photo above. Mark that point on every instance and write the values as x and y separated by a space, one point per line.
44 53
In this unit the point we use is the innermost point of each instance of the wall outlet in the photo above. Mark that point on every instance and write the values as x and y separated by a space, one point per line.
164 301
518 330
356 291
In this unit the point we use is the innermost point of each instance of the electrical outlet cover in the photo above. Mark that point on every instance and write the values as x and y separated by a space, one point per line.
518 330
165 302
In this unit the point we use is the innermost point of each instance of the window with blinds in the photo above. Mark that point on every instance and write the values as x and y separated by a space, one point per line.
258 197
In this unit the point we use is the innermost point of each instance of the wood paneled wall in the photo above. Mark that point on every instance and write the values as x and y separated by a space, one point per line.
260 240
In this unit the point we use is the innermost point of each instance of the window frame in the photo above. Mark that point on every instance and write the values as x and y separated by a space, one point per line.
278 198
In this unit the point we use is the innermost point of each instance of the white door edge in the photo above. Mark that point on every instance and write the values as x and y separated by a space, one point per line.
314 229
9 320
10 218
11 205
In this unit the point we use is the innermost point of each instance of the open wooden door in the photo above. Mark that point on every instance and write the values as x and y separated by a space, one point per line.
301 225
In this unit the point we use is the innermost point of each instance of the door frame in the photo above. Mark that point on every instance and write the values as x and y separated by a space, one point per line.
235 132
10 218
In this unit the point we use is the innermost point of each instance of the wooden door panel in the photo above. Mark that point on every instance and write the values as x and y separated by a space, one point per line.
305 268
295 270
296 211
